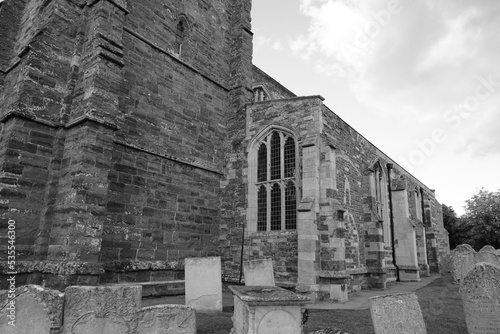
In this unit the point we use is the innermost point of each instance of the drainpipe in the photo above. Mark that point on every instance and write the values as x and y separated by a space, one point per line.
391 215
423 221
241 255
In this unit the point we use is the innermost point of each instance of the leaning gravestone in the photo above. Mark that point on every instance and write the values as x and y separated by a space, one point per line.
33 310
167 319
203 283
259 272
480 290
397 314
101 309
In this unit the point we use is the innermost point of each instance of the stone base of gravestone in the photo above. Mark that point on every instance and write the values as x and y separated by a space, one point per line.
167 319
101 309
203 285
259 272
409 274
33 310
397 314
480 290
267 310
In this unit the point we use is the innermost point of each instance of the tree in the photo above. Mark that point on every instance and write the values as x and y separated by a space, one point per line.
452 225
481 221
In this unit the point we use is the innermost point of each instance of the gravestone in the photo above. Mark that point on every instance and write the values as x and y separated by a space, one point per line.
464 248
267 310
259 272
101 309
33 310
467 261
487 256
487 248
462 259
203 283
480 290
397 314
167 319
445 264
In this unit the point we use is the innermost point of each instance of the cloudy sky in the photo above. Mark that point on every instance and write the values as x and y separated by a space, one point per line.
419 79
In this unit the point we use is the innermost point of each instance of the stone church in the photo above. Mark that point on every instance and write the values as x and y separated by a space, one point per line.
135 134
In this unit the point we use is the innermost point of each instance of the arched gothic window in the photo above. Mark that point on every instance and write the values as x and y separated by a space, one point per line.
180 34
418 205
380 194
275 187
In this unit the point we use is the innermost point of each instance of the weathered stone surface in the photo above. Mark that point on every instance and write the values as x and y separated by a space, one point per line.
259 272
446 264
480 290
36 310
462 260
167 319
279 322
465 261
101 309
487 256
267 295
462 248
487 248
266 310
397 314
203 283
328 331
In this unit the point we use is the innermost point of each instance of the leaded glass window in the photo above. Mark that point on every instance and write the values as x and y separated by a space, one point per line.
276 185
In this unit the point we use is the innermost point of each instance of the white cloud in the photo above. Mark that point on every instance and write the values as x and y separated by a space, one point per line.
409 59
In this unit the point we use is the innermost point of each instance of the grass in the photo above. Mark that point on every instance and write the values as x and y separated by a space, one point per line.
440 302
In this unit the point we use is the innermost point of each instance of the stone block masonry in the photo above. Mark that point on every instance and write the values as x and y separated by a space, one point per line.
110 152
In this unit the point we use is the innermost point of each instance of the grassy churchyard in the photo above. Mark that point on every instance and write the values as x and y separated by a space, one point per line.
440 302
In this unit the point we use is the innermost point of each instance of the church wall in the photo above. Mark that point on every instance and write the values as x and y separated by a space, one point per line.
274 88
123 157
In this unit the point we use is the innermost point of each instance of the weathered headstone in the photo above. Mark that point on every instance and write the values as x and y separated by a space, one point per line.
101 309
167 319
467 261
462 258
397 314
462 248
446 264
33 310
487 248
480 290
487 256
203 283
259 272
